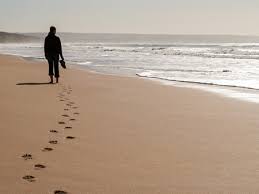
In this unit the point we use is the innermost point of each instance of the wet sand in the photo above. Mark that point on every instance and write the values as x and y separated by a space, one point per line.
96 133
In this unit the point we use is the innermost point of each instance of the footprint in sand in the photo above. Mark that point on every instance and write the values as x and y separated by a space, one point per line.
72 119
65 115
47 149
76 113
70 137
68 127
60 192
75 107
53 142
61 123
66 109
27 157
39 166
53 131
29 178
61 100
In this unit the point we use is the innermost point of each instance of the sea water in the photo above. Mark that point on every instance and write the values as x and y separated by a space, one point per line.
228 65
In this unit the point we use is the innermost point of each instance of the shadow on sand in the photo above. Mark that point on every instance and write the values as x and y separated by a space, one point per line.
33 84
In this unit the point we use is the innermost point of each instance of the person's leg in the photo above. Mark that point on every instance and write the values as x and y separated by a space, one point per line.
51 62
51 79
56 67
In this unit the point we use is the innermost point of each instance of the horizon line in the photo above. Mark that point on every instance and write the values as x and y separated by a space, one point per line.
133 33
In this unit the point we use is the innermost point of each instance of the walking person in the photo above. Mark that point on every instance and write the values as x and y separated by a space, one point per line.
53 49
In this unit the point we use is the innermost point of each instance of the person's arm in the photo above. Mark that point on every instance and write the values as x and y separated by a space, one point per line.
60 50
45 48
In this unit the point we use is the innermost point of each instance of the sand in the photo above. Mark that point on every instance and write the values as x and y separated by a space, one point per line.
127 135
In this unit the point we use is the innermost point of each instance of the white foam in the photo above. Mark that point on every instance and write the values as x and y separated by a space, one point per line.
227 64
84 63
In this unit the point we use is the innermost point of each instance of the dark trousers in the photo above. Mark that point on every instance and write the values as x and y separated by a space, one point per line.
53 65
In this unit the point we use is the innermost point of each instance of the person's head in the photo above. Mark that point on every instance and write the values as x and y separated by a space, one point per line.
52 30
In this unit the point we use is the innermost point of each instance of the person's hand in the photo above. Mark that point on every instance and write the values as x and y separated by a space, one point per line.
62 58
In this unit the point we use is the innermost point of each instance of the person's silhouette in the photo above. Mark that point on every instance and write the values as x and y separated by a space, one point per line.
53 49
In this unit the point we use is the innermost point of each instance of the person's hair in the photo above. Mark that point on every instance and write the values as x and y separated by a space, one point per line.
52 29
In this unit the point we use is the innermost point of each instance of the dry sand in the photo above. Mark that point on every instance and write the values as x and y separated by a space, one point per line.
131 136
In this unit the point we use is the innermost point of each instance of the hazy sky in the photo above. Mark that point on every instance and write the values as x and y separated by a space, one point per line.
132 16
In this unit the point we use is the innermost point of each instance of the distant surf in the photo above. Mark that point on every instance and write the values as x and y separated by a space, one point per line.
224 61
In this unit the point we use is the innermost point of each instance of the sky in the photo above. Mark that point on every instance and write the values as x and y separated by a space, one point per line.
237 17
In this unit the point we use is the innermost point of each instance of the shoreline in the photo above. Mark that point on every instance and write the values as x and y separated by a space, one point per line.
129 136
244 94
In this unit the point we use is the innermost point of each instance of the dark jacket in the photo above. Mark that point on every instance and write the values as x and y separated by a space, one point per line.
52 46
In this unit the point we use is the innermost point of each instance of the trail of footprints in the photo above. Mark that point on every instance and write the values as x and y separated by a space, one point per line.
65 123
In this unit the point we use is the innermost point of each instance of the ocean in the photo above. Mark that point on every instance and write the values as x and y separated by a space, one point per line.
228 65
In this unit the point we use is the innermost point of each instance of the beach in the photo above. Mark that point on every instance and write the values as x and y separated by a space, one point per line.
95 133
